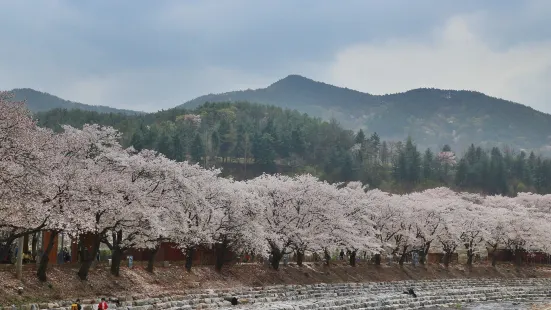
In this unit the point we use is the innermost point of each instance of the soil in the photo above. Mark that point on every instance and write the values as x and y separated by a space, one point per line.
63 283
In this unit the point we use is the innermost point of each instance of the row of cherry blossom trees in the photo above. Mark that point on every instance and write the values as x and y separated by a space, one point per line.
84 183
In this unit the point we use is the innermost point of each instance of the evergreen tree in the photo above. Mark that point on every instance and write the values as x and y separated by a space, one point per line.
298 145
347 169
461 174
385 153
498 183
178 148
262 149
227 138
360 137
197 151
164 146
428 165
137 140
214 145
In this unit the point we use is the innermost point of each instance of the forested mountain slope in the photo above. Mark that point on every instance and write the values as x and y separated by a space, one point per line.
432 117
248 139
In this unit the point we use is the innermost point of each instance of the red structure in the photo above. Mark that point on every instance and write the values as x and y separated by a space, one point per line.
203 255
526 257
46 237
168 251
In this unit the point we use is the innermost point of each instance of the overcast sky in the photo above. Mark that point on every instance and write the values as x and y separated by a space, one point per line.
148 55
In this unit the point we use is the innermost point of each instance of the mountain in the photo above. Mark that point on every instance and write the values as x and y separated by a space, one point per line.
39 101
432 117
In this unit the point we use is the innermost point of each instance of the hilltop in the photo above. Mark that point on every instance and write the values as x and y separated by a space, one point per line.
40 101
433 117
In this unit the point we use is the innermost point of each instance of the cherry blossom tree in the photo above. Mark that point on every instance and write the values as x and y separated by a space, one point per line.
428 219
353 227
24 166
144 185
82 182
235 219
297 211
522 221
191 208
98 196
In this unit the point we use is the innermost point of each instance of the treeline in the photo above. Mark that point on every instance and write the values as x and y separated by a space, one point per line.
248 139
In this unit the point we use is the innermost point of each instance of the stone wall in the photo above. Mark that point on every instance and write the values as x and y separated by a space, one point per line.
374 295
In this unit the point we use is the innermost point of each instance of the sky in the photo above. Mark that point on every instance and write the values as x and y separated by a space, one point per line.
150 55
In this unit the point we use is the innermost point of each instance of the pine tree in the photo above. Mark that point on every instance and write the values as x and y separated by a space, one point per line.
227 139
137 140
263 150
178 148
197 151
385 153
428 165
214 145
164 146
360 137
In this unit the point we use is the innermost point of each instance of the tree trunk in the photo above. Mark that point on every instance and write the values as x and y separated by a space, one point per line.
26 243
470 256
378 259
424 253
221 250
151 259
326 256
300 257
277 255
44 260
353 258
116 259
494 257
518 257
447 258
87 257
402 258
34 244
117 253
189 258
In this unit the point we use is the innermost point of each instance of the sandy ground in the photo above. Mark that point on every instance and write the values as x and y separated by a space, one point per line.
63 283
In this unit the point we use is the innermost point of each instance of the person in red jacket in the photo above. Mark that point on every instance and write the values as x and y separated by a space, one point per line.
102 305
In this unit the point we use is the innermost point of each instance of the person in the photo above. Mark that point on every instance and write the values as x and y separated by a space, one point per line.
76 305
342 255
26 257
102 305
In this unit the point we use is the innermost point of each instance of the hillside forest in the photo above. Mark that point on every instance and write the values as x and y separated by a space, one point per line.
246 139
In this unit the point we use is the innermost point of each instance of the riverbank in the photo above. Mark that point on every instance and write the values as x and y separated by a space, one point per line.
63 284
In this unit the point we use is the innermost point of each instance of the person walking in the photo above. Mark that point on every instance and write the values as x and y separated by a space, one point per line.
76 305
102 305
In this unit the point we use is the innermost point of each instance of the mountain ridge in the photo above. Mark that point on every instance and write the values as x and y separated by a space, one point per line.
38 101
433 117
300 78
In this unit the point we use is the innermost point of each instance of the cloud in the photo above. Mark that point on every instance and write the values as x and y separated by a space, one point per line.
154 55
156 88
455 56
